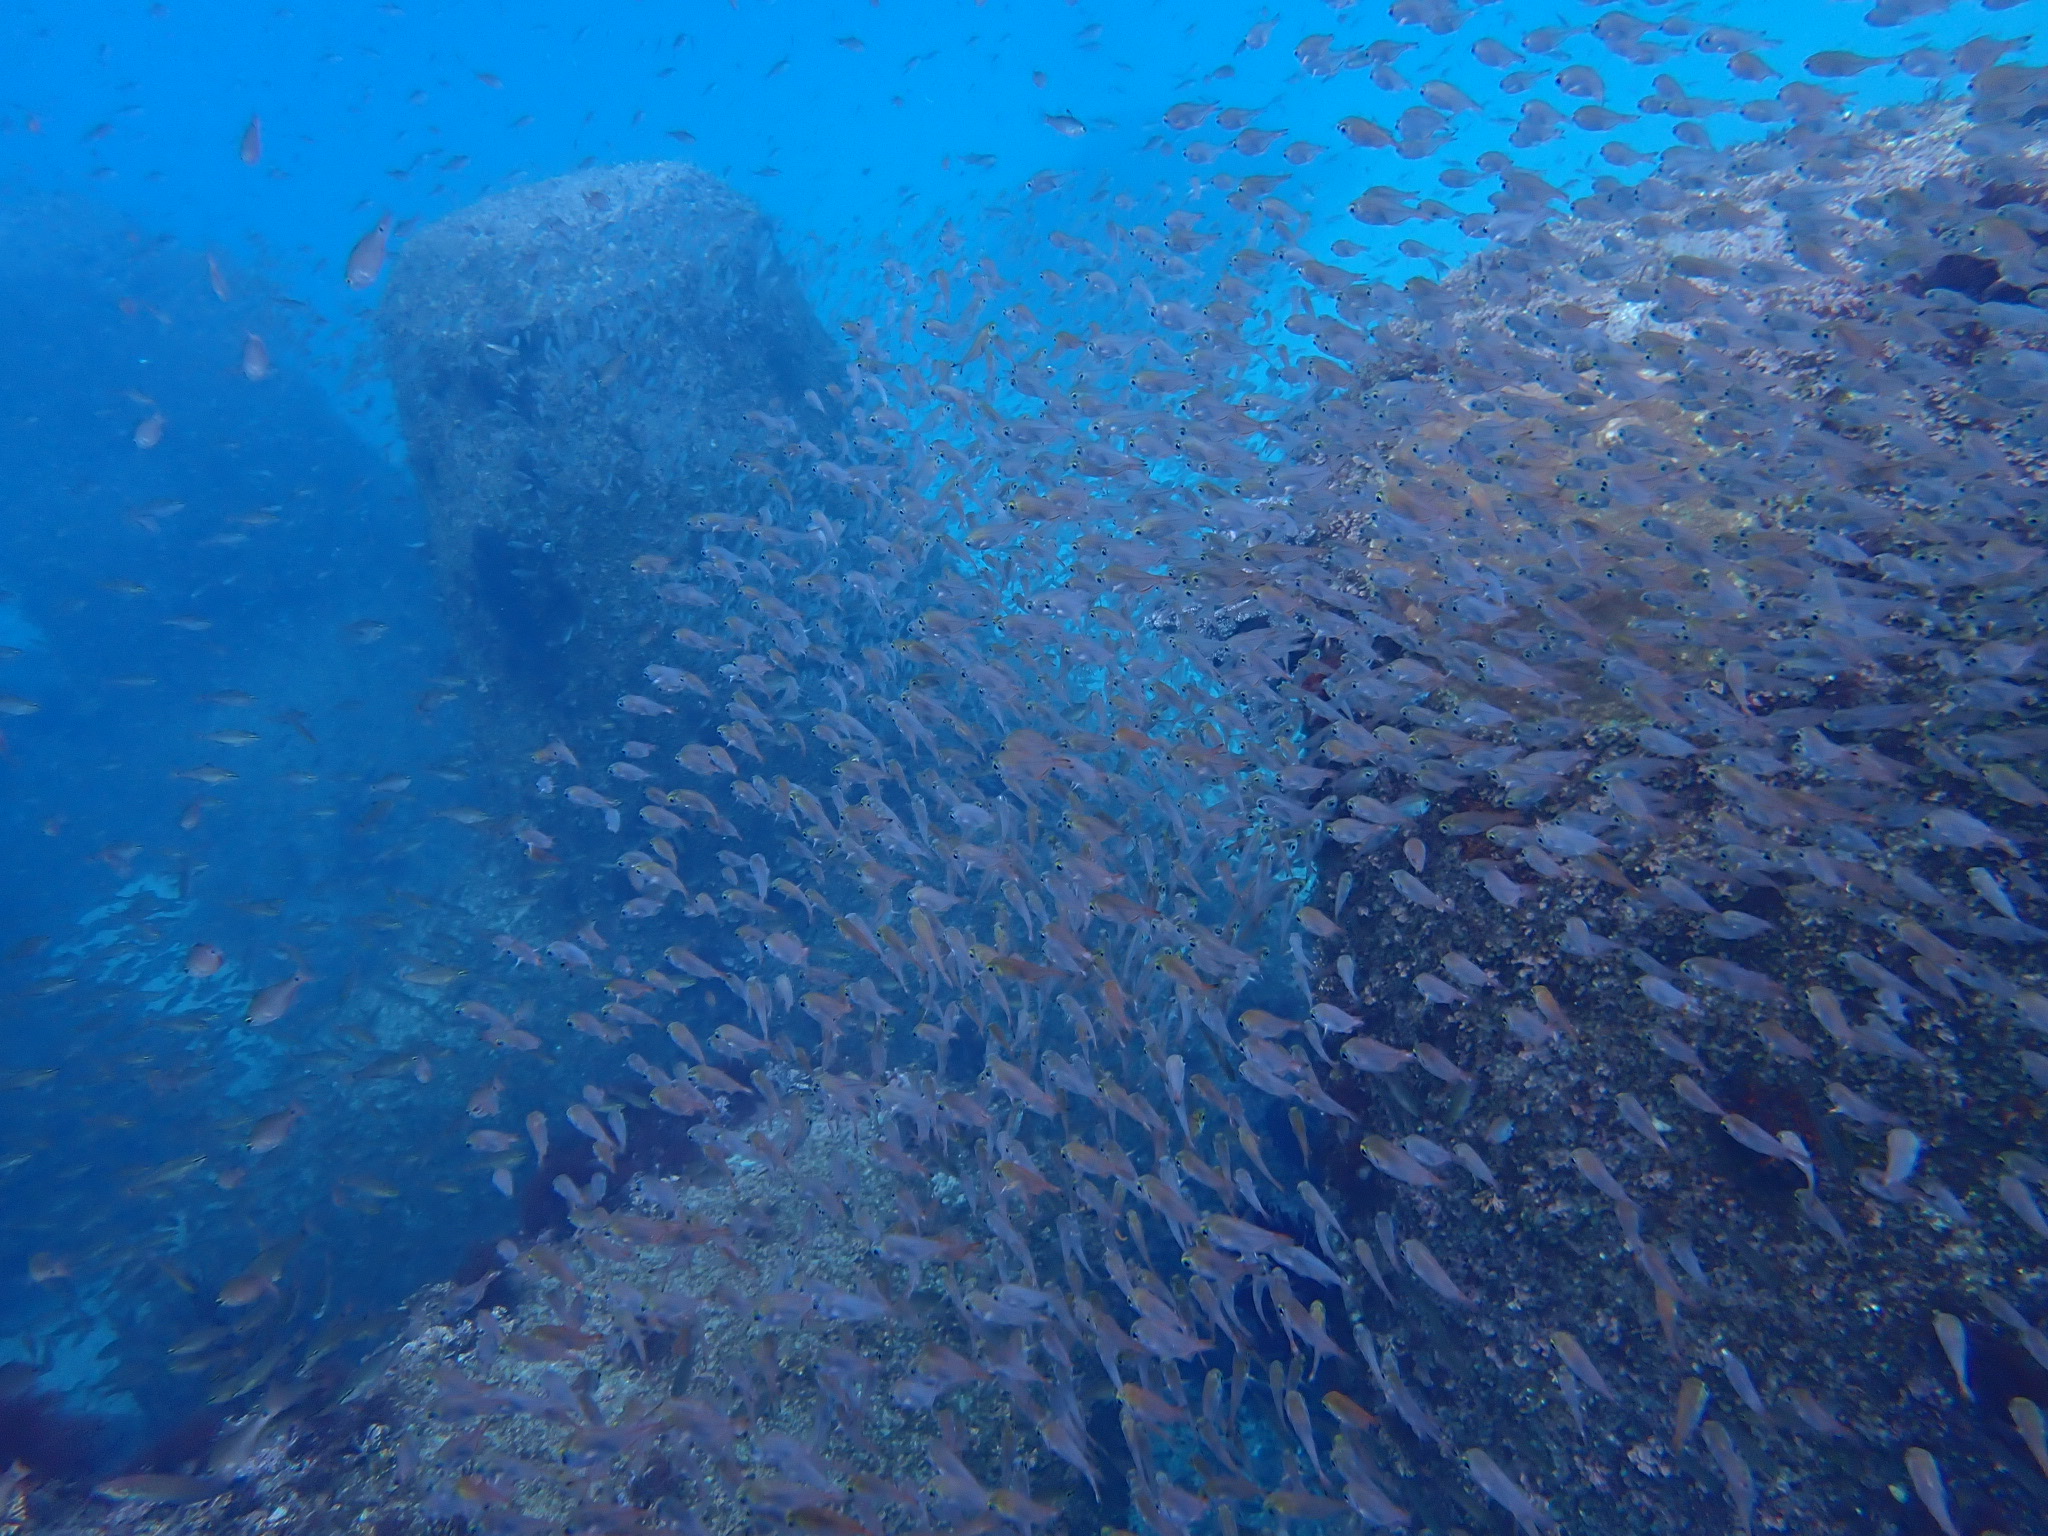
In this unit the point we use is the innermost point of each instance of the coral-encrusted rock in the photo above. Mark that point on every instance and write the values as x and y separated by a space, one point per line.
581 367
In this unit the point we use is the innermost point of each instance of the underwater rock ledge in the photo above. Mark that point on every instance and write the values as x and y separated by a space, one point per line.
1683 903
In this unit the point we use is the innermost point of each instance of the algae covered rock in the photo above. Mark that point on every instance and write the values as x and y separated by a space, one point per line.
581 367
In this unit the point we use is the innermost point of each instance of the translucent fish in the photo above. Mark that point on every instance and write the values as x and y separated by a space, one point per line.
1687 1411
1398 1163
160 1488
1638 1119
1955 1344
1580 1364
1370 1055
1414 890
1530 1517
1735 1472
1425 1267
2027 1418
1925 1474
366 257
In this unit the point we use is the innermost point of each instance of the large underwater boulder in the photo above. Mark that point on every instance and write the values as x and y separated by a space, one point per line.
581 367
1698 536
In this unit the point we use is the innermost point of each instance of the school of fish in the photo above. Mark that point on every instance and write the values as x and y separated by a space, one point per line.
1260 898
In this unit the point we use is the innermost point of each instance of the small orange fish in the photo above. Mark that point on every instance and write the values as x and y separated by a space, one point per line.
150 430
255 359
218 279
1347 1412
366 261
252 141
203 960
275 1000
1149 1406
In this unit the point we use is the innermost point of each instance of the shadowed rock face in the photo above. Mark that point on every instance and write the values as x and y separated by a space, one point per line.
581 367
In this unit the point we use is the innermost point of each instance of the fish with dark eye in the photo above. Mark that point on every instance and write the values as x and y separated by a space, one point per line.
1370 1055
1235 1235
270 1132
366 257
276 1000
1948 827
1398 1163
1318 923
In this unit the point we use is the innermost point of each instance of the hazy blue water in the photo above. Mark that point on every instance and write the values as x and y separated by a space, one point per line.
119 126
369 108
